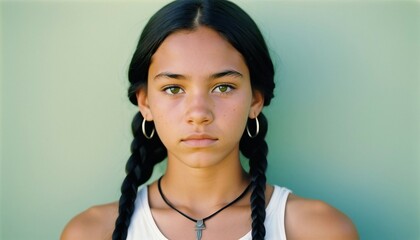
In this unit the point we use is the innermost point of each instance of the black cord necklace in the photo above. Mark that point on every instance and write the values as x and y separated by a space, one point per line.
199 223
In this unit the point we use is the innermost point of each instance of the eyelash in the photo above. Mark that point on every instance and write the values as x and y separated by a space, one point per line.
169 89
229 86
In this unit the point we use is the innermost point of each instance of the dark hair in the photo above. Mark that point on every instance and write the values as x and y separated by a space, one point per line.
237 27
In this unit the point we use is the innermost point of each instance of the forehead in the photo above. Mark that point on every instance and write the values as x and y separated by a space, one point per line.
202 49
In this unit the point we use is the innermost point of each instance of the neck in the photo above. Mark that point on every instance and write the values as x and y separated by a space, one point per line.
206 187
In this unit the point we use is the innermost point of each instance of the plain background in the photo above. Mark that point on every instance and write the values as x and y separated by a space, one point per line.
344 126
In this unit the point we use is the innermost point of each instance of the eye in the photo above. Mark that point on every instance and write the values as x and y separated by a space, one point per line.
173 90
223 88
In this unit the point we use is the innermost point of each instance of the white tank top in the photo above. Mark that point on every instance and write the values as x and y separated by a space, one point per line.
143 226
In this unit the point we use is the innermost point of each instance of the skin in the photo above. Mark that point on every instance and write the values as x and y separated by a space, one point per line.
200 97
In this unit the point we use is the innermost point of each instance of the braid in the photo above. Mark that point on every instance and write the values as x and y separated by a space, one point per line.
146 153
256 149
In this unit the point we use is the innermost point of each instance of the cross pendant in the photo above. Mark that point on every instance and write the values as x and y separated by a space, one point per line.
199 227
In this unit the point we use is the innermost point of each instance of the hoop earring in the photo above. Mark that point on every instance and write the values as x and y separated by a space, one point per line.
143 128
257 129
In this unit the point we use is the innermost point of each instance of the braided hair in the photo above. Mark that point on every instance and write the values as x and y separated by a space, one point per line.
256 149
237 27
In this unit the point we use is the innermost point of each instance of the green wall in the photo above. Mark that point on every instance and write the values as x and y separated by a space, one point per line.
1 124
344 126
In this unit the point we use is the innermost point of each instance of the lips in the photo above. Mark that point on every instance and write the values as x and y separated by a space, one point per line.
199 140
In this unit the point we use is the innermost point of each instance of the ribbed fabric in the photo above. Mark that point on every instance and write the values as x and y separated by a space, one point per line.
143 225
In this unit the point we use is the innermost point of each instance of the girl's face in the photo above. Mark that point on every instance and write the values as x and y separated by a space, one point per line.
200 97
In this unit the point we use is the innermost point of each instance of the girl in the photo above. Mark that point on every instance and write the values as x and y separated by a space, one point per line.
201 75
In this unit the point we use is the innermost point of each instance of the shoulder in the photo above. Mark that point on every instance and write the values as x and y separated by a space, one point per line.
95 223
314 219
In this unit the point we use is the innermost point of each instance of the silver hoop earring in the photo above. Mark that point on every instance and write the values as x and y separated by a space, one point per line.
143 128
257 129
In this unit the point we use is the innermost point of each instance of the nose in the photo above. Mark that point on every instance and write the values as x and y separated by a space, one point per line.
199 109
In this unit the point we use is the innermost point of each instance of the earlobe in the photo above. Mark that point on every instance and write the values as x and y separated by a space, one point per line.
143 104
257 104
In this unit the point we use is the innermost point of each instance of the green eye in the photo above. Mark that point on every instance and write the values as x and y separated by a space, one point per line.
173 90
223 88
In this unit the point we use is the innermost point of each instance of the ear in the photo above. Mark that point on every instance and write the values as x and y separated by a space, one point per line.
143 103
257 104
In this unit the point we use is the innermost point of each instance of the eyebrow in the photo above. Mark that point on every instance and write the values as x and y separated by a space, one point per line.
224 73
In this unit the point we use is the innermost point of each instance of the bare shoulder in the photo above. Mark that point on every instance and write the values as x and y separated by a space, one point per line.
313 219
95 223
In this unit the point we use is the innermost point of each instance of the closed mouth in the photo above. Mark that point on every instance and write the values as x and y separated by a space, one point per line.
199 140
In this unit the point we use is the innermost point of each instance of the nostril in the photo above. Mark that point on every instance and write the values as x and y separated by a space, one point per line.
199 116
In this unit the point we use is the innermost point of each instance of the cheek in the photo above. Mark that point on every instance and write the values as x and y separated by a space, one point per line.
235 117
164 130
160 119
164 117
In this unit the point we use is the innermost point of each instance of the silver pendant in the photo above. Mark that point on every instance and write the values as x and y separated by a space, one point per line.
199 227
